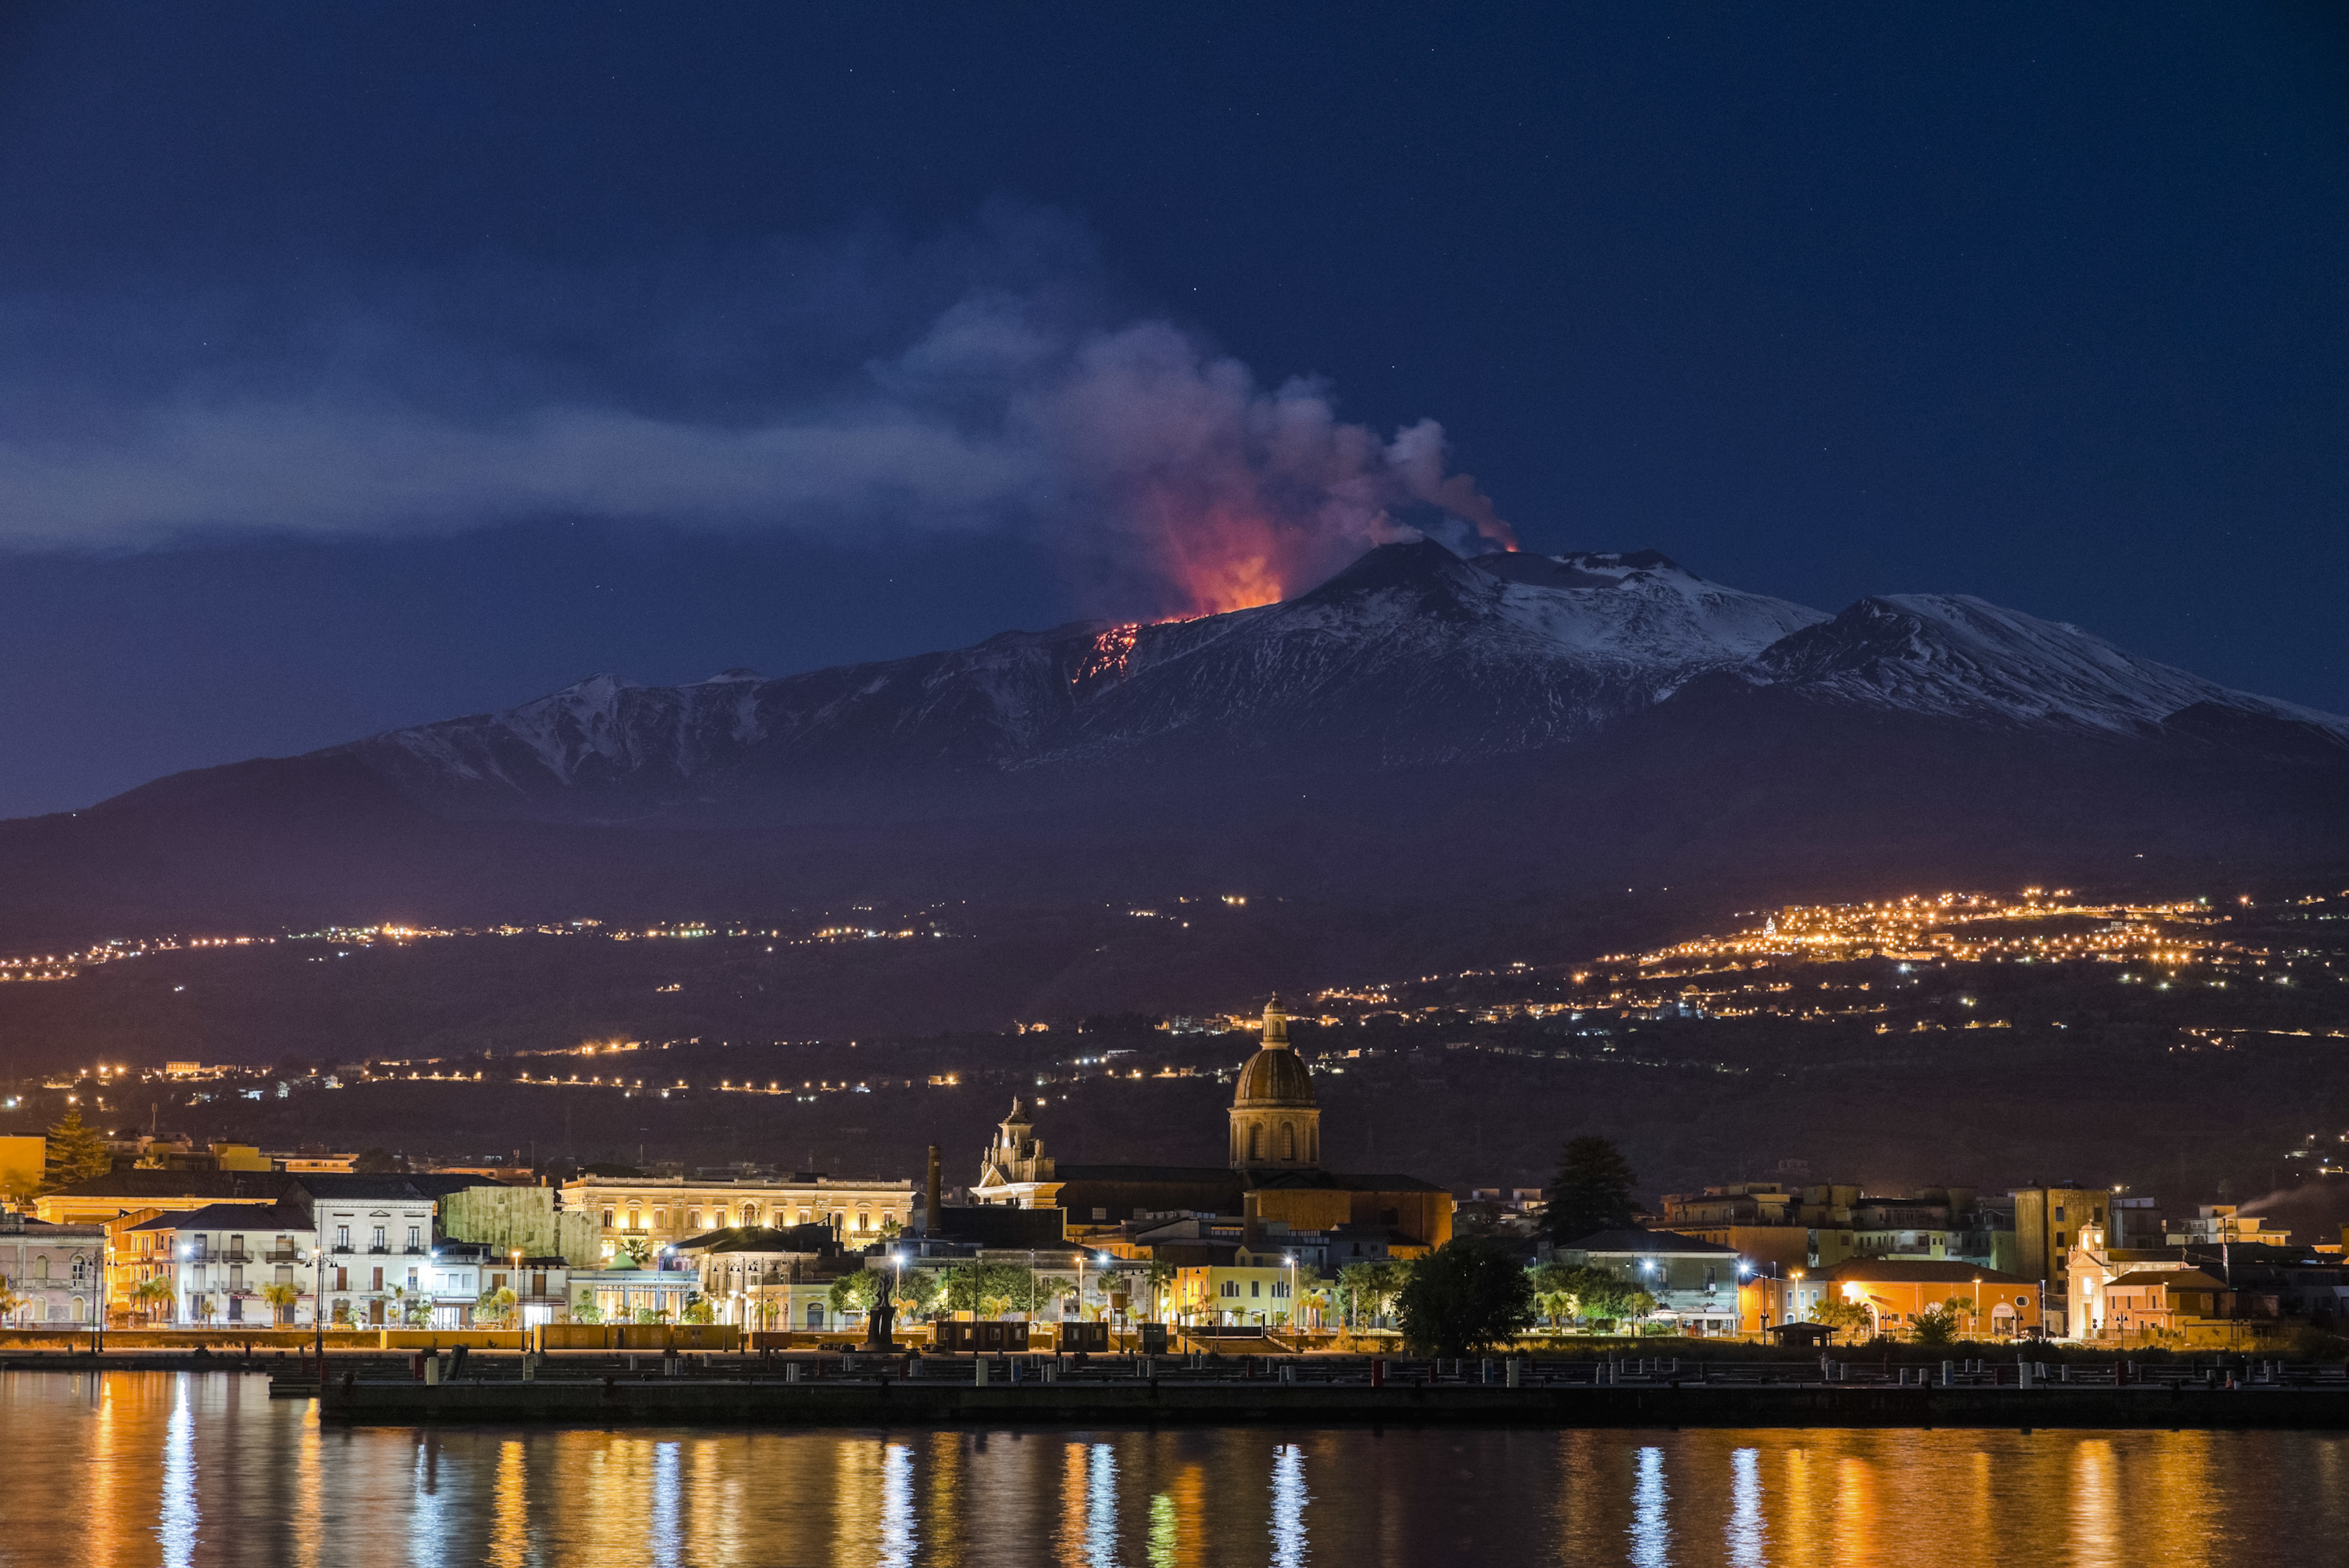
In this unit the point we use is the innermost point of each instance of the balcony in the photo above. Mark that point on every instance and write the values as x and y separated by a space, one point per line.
282 1255
415 1251
378 1251
225 1255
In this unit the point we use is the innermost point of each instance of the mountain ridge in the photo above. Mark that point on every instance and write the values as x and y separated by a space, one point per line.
1444 739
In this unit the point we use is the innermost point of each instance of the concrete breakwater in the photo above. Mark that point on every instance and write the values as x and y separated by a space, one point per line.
672 1392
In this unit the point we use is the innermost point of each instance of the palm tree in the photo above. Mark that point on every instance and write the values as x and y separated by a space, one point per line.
281 1300
152 1293
9 1299
496 1305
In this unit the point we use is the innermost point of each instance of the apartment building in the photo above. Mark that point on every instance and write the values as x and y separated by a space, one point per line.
655 1212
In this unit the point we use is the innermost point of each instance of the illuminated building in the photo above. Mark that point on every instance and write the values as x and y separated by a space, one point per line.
657 1211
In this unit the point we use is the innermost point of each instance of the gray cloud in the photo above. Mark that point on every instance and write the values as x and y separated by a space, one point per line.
858 388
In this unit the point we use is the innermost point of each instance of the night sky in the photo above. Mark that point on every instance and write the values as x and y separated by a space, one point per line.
372 363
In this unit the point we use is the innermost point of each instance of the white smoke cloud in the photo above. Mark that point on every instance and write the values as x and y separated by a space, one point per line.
1163 471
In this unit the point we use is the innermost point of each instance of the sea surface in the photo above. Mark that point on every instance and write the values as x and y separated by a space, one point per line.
204 1468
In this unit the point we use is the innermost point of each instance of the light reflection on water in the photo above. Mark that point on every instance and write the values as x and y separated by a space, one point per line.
199 1469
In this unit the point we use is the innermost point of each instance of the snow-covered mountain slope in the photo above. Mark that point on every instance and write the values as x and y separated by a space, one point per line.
1958 657
1410 657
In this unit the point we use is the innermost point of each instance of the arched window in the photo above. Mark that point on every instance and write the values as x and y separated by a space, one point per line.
81 1269
1288 1141
750 1214
1313 1145
41 1267
1256 1143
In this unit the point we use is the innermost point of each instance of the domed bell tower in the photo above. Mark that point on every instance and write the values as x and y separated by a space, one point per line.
1275 1124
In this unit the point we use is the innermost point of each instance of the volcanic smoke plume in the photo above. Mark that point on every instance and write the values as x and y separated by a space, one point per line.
856 387
1212 495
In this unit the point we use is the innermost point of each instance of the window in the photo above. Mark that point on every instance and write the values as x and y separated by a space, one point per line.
375 1240
1231 1287
236 1243
2059 1213
1101 1214
607 1219
342 1278
378 1280
415 1237
342 1238
411 1279
1255 1289
41 1267
1256 1143
1287 1142
815 1314
693 1219
750 1214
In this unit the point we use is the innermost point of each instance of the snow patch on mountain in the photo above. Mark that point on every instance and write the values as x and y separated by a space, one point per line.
1960 657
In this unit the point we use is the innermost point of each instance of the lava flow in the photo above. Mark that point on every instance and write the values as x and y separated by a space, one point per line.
1110 653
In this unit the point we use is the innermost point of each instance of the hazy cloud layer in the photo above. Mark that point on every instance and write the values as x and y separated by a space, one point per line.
863 389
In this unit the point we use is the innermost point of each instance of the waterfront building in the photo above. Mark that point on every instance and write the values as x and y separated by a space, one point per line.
377 1237
109 1197
2180 1308
654 1212
1816 1228
631 1296
55 1272
1897 1292
1695 1282
763 1278
225 1263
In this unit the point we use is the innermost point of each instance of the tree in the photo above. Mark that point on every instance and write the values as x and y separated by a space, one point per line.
281 1300
1464 1296
1938 1326
857 1292
10 1299
1839 1313
496 1305
154 1291
1158 1278
634 1252
375 1162
1369 1287
586 1311
700 1310
1591 1191
74 1153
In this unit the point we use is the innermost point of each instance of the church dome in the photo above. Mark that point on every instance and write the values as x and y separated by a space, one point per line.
1275 1075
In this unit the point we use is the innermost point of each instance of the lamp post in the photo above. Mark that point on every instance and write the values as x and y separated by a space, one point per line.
1291 1260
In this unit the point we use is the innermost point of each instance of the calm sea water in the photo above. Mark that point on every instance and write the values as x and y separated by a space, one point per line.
145 1468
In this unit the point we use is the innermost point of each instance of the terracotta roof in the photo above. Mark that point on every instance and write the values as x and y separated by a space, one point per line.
1918 1271
2176 1279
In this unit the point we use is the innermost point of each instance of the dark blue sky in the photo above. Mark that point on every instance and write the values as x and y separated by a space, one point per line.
372 363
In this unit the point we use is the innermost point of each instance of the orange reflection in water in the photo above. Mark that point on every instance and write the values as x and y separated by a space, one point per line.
204 1469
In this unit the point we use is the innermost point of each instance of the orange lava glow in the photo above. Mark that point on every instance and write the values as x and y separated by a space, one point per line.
1229 559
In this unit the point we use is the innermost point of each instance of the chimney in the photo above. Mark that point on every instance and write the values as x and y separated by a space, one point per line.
933 1197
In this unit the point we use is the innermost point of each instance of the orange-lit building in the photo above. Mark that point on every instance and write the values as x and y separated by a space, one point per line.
1897 1292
